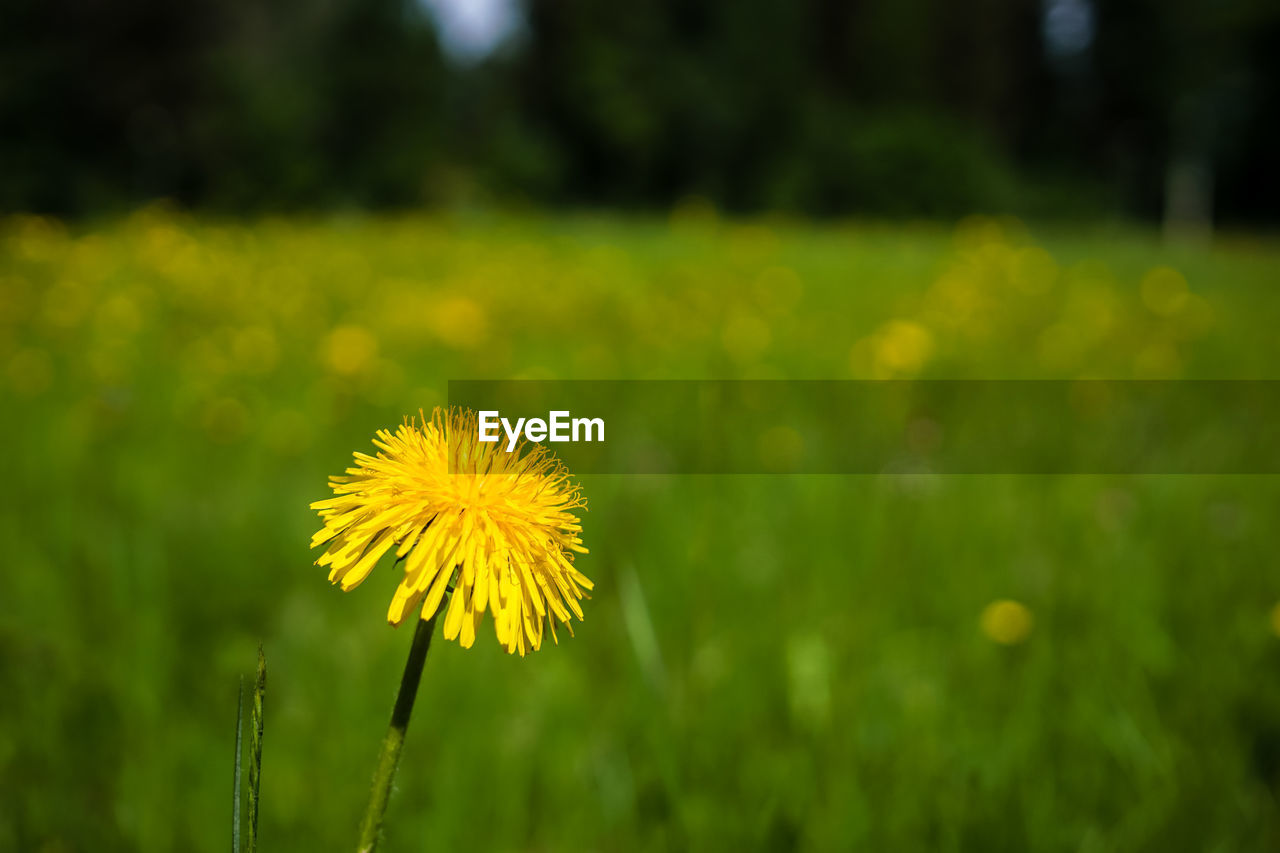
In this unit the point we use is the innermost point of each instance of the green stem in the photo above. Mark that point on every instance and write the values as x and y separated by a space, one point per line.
371 826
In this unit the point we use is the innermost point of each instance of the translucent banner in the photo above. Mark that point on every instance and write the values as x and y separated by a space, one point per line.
876 427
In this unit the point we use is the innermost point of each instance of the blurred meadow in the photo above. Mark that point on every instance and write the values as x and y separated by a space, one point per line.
819 662
236 238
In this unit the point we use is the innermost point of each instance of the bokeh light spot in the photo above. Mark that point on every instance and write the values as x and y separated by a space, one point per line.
903 347
350 349
460 323
1007 622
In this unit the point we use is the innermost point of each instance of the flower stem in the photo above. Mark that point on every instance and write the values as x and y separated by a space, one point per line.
371 825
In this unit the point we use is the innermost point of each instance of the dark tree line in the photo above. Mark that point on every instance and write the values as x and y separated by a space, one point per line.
899 107
229 103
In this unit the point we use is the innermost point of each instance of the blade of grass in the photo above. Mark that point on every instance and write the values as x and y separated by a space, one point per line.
255 750
235 785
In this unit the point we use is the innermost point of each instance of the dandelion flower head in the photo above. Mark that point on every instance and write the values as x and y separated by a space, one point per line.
495 529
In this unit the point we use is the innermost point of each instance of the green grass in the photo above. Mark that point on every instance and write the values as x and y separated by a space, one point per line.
176 392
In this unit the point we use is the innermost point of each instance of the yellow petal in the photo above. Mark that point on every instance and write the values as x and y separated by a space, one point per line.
353 578
453 619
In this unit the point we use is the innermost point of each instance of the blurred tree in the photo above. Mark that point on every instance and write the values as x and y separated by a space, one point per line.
379 79
222 102
770 103
99 100
1178 84
902 107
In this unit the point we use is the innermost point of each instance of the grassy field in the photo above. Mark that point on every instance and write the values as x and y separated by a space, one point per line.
767 662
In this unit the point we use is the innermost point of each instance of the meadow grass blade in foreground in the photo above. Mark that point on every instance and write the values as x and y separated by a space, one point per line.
255 749
235 784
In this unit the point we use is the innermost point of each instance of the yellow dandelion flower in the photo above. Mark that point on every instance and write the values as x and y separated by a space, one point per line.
496 529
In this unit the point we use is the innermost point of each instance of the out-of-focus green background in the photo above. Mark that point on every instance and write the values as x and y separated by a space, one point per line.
768 661
239 238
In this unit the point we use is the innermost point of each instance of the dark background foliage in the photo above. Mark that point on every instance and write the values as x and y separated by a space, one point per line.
879 107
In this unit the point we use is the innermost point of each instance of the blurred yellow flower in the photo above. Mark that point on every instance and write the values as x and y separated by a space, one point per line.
460 323
1275 620
902 347
1007 622
500 533
350 349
